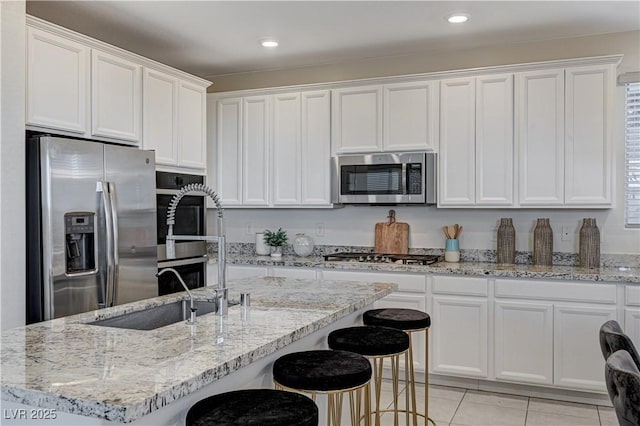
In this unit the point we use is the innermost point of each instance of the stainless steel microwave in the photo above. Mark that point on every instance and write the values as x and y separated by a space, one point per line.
384 178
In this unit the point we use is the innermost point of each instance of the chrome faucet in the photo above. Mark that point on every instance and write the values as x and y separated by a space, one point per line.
192 316
222 293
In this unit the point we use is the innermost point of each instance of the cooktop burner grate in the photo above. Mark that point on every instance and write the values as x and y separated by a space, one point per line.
405 259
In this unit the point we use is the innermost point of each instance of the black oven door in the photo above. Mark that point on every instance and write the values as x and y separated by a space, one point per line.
190 219
192 271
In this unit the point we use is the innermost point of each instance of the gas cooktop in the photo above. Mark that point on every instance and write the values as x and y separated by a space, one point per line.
404 259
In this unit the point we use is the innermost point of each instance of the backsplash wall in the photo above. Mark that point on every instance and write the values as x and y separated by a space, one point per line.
354 225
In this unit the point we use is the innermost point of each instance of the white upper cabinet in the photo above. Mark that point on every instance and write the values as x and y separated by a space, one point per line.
274 150
116 97
316 148
256 116
356 119
540 97
476 141
565 136
228 167
589 107
392 117
457 141
57 78
286 149
83 87
192 122
410 116
494 140
160 121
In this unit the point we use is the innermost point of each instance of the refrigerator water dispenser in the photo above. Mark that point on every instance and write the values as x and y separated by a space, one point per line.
80 248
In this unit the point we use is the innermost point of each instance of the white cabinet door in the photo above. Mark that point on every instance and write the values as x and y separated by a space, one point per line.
116 97
192 126
57 77
299 273
316 148
589 111
494 140
578 362
540 118
409 301
410 116
255 150
160 120
229 151
459 336
241 271
524 342
632 325
356 119
287 157
457 142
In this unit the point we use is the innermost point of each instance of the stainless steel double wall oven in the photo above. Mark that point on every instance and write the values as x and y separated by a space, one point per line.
191 219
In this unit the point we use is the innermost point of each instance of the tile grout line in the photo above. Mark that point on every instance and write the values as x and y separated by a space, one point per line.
599 418
526 414
459 404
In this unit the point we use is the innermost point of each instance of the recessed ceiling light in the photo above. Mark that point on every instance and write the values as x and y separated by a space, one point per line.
269 42
458 18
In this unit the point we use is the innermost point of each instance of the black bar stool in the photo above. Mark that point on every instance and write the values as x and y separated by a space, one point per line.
411 321
333 373
376 343
254 407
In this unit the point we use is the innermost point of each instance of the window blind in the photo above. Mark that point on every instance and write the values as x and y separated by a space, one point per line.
632 155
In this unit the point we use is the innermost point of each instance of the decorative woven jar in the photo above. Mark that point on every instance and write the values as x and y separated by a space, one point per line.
543 243
589 254
506 242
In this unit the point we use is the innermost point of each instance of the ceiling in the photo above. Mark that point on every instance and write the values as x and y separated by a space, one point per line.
210 38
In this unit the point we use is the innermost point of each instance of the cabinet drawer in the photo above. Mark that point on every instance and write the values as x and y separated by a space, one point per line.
632 295
406 282
460 285
570 291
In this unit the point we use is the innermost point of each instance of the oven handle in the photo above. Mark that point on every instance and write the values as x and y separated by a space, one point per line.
160 191
182 262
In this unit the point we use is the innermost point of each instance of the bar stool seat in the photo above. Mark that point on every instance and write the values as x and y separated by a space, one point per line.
254 407
401 319
322 370
377 343
333 373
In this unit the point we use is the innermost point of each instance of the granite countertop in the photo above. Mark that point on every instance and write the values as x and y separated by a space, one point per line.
121 375
609 274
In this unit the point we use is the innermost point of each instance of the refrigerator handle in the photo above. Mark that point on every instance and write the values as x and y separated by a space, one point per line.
114 223
106 203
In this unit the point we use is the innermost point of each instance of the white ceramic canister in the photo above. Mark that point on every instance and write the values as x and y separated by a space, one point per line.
262 248
303 245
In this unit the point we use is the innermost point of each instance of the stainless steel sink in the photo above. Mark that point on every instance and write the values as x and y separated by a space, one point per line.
159 316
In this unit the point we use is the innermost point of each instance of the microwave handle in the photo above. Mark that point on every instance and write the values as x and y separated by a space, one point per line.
405 190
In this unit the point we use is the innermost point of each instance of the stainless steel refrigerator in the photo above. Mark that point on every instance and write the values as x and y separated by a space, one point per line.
91 226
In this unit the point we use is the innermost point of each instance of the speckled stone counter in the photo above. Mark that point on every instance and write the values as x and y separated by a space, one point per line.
121 375
608 274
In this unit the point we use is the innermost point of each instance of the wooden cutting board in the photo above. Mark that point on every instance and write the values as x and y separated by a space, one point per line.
392 237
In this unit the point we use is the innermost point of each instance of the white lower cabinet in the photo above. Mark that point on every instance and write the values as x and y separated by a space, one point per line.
632 325
459 342
300 273
524 342
578 362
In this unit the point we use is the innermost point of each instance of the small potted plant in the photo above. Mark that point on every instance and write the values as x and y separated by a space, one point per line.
276 240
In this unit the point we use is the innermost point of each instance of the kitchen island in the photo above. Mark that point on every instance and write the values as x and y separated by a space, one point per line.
66 371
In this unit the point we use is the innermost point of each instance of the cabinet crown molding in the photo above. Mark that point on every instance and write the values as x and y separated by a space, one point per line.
34 22
438 75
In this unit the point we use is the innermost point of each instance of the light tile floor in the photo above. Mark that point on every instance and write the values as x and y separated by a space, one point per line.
461 407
